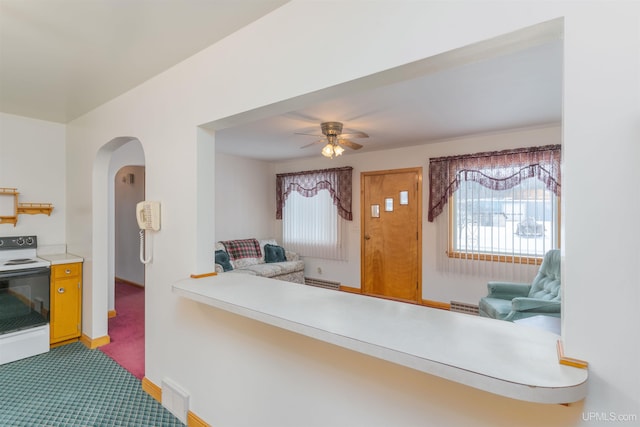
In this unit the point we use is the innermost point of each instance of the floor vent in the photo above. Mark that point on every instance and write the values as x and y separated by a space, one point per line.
175 399
463 307
321 283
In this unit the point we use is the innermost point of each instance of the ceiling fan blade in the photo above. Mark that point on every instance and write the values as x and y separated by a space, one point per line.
297 115
350 133
309 134
350 144
313 143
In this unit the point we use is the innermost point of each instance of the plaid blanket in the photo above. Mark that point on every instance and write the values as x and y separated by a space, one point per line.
247 248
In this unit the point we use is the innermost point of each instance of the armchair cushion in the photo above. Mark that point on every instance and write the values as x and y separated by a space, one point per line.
535 304
508 290
496 308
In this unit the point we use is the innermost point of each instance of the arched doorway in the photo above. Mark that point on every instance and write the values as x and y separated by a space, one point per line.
111 158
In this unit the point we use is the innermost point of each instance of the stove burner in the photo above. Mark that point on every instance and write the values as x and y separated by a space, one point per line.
20 261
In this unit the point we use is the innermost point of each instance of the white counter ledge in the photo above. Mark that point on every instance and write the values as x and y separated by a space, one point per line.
62 258
496 356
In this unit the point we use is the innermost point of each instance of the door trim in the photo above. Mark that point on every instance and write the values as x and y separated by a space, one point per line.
364 211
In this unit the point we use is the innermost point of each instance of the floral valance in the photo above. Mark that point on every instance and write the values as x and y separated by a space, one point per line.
336 180
496 170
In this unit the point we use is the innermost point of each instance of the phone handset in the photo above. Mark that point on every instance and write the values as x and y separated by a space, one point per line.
148 216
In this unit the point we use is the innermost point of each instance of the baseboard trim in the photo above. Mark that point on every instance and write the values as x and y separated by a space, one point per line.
94 343
195 421
128 282
436 304
350 289
155 391
112 314
152 389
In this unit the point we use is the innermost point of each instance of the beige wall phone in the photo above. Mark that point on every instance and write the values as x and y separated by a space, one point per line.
148 216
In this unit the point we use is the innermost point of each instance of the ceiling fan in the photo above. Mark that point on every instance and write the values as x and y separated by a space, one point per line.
335 139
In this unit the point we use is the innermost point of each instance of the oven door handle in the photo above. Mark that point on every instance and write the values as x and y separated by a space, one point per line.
22 273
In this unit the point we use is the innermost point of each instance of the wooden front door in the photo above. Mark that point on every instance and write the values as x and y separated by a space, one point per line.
391 205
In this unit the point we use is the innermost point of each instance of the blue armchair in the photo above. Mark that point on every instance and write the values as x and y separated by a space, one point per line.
513 301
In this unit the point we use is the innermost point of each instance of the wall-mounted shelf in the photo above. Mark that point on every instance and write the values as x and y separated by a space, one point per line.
22 208
35 208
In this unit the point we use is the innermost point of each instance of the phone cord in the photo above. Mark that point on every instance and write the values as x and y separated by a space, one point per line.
142 259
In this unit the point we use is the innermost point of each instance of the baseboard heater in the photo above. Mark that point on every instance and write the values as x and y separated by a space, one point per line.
321 283
463 307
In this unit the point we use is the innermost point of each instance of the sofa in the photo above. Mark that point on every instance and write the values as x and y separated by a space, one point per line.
264 258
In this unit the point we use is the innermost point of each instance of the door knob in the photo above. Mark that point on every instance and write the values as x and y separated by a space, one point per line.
367 237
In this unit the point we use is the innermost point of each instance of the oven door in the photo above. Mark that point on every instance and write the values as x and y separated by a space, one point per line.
24 299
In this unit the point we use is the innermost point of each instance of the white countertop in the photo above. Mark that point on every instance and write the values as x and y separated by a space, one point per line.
496 356
63 258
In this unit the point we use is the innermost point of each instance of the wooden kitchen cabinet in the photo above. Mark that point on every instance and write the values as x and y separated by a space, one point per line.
66 303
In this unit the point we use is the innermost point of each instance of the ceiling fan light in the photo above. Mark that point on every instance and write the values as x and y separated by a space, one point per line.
327 151
338 150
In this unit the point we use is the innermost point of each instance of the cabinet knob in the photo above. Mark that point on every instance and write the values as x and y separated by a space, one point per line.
67 271
61 290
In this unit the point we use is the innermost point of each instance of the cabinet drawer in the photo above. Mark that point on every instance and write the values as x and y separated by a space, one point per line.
66 270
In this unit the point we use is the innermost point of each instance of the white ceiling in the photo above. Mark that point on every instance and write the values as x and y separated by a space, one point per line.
61 58
515 90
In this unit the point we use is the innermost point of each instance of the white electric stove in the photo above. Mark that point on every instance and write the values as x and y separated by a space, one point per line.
24 299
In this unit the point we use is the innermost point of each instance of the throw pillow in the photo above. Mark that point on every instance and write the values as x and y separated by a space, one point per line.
264 242
273 253
222 258
246 248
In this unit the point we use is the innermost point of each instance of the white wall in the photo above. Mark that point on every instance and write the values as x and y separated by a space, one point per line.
601 256
32 159
239 372
438 283
245 198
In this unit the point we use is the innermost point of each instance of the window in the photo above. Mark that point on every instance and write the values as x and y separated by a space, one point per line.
503 206
516 225
311 226
314 207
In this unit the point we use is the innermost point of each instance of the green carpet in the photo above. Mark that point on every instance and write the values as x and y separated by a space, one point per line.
73 386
